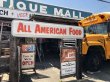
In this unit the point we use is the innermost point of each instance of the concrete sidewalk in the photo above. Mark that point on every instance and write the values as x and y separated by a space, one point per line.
53 75
4 77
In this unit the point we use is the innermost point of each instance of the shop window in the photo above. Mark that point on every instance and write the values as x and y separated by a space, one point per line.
6 28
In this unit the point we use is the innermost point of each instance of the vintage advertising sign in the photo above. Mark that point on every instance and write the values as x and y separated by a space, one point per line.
44 9
45 30
68 61
28 60
28 48
27 56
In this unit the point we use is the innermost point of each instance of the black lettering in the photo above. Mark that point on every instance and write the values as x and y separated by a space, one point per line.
5 12
1 12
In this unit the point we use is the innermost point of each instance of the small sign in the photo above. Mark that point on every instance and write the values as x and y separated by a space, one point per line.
68 61
28 48
68 68
27 56
28 60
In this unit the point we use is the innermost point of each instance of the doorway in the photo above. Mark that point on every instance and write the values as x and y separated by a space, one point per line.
51 51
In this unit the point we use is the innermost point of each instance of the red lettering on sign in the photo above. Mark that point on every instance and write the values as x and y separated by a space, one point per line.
27 63
50 30
74 32
20 27
23 28
37 29
47 30
22 14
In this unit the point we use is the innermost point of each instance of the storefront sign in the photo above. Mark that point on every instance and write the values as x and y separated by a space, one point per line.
68 61
44 9
5 13
17 14
45 30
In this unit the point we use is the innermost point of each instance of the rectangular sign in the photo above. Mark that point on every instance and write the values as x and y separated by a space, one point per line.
44 9
6 13
16 14
22 28
68 61
28 48
68 54
27 60
68 68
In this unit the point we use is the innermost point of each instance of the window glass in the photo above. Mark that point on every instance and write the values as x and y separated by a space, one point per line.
97 29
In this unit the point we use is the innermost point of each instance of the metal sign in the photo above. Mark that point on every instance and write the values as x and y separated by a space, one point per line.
28 60
68 61
27 56
45 30
28 48
44 9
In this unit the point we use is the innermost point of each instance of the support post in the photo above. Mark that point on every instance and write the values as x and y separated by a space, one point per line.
13 61
79 60
1 37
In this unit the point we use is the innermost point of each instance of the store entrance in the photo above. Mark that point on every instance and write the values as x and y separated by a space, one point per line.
49 53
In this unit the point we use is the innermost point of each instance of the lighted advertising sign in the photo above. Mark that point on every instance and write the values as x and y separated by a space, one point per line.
45 30
68 61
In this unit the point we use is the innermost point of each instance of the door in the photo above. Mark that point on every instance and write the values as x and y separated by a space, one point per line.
107 46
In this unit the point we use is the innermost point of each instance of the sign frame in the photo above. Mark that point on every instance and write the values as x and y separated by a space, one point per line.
70 62
37 29
26 52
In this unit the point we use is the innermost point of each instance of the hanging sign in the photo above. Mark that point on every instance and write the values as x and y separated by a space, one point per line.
68 61
22 28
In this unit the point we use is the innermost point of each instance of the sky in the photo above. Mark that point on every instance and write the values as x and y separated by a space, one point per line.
93 6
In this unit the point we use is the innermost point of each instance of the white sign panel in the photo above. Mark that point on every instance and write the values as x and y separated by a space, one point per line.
6 13
16 14
27 60
68 68
22 28
20 14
